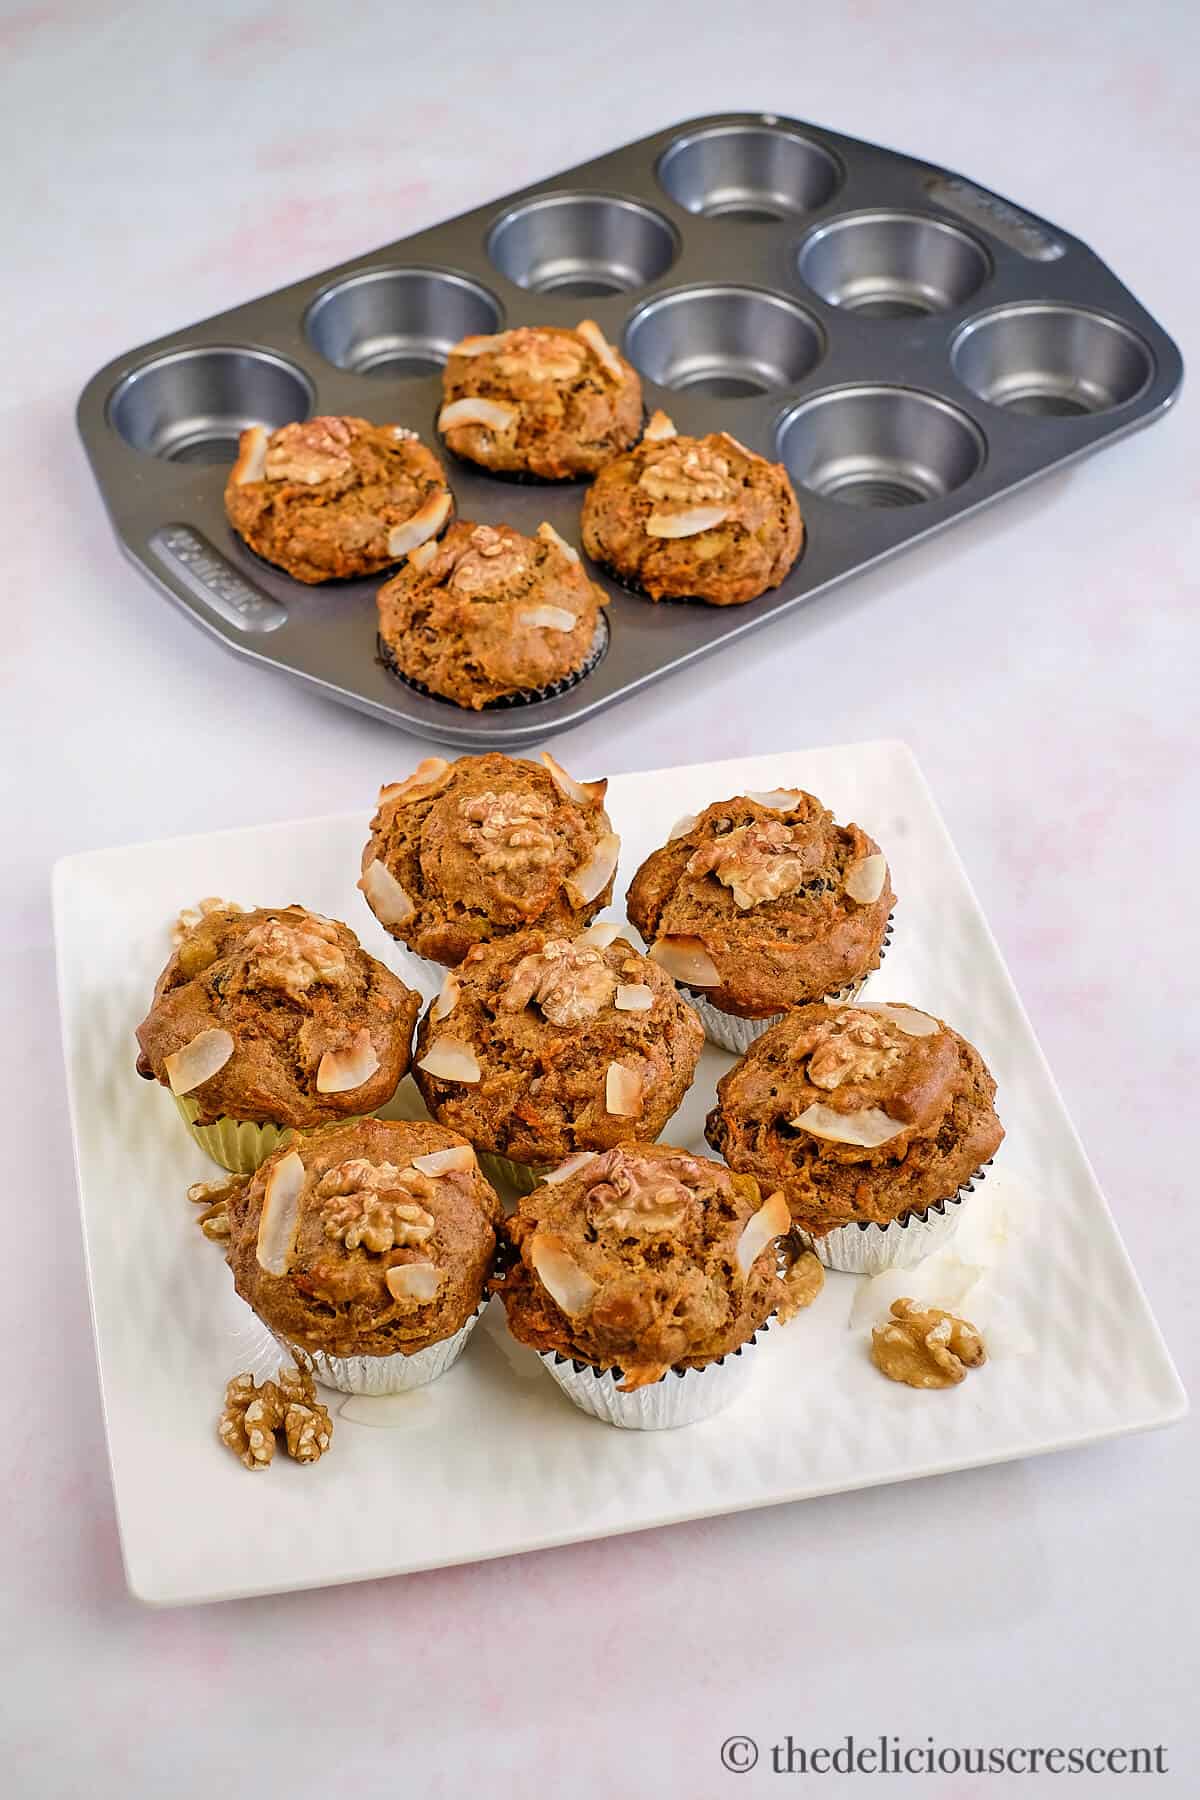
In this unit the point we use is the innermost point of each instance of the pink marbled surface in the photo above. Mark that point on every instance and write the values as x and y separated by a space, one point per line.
166 162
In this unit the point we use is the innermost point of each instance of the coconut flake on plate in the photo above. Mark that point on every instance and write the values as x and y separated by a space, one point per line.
199 1060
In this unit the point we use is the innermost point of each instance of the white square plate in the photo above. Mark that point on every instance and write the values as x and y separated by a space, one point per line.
492 1459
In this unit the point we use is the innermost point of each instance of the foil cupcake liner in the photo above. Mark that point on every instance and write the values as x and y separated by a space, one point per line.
526 697
736 1034
869 1249
519 1176
680 1397
377 1375
238 1145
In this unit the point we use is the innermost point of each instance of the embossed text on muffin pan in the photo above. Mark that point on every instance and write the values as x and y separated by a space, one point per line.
910 345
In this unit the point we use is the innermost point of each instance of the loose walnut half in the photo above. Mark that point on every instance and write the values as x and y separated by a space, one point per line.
925 1347
507 831
635 1195
214 1197
570 982
688 474
253 1414
309 452
802 1283
858 1046
293 955
758 862
376 1205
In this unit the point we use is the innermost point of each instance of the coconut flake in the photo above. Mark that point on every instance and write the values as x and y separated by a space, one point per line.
478 344
413 1281
548 618
681 827
596 341
425 523
779 799
548 535
914 1023
566 1169
199 1060
658 427
867 1128
385 896
633 996
475 410
770 1221
601 934
447 1000
341 1071
429 769
623 1092
251 464
449 1060
689 523
686 959
423 555
569 1286
590 881
583 793
865 879
280 1210
456 1159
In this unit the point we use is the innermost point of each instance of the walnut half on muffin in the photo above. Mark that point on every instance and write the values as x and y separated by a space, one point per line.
485 614
861 1115
541 1045
683 518
276 1016
333 497
464 852
540 401
642 1260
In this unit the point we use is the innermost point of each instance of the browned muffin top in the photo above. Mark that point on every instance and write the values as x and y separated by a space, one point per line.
332 497
693 518
486 613
764 902
857 1113
277 1016
480 848
365 1238
644 1259
540 400
540 1045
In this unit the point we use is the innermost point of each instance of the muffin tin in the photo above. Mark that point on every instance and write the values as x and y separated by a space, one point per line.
910 345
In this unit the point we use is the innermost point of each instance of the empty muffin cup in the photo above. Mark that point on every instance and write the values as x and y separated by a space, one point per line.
880 446
725 341
398 322
1051 361
582 244
191 406
753 173
892 265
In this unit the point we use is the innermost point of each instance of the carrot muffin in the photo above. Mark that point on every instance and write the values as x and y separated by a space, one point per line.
872 1120
333 497
640 1265
480 848
540 1045
761 903
273 1020
486 615
364 1248
540 401
683 518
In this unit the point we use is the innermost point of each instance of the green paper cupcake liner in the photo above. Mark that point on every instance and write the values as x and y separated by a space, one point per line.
238 1145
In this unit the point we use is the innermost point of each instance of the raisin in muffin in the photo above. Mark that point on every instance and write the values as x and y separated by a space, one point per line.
761 903
540 1045
463 852
683 518
637 1263
273 1020
334 497
364 1248
870 1119
540 401
485 614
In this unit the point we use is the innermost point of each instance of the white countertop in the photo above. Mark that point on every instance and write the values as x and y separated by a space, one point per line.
167 162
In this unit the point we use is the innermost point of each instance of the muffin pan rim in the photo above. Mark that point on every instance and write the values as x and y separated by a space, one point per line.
146 495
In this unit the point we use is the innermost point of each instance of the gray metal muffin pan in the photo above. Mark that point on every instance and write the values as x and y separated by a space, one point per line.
910 345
